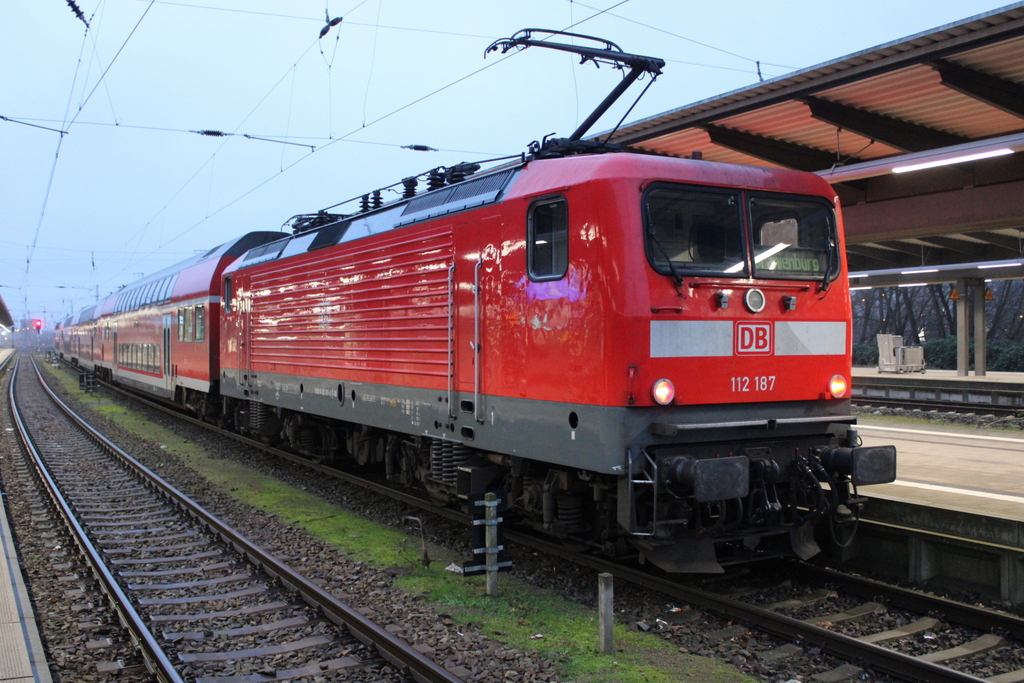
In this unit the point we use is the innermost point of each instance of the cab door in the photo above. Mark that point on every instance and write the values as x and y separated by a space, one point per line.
242 302
474 265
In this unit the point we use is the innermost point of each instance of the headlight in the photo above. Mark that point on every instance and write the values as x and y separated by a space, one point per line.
663 391
837 386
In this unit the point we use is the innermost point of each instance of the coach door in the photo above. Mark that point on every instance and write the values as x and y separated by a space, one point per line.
167 350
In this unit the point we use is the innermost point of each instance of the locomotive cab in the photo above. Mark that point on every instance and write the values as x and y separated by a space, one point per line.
748 369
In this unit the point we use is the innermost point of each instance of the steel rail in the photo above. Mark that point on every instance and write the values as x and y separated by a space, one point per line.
941 406
332 472
396 651
142 638
845 647
981 618
889 661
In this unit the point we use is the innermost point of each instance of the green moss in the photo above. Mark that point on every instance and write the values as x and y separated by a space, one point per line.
567 631
528 618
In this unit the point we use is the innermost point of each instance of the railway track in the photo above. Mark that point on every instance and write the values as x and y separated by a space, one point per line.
940 406
199 600
802 614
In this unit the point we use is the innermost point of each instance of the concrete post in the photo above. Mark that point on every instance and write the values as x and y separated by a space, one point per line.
963 340
606 611
980 351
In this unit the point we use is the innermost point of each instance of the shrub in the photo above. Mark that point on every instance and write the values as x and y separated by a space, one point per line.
941 353
865 355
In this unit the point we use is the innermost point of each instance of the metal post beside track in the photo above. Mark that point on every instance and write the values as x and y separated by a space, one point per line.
606 612
487 542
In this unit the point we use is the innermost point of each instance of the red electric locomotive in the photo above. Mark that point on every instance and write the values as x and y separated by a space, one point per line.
645 352
650 355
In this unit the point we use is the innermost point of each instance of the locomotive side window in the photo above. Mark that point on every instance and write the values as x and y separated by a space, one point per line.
693 231
794 238
227 295
200 323
548 239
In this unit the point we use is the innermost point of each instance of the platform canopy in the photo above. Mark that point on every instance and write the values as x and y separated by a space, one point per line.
935 97
5 315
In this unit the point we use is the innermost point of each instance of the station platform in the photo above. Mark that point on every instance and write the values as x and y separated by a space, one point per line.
996 389
22 658
950 467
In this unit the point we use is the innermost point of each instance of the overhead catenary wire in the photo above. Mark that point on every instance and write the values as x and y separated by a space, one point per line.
93 35
49 182
687 38
107 70
373 60
25 123
353 132
67 125
141 232
318 20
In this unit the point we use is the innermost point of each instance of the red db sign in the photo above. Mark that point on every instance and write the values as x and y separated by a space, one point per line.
753 339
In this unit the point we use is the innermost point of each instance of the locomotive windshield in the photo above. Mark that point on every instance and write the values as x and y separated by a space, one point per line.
693 231
793 238
701 232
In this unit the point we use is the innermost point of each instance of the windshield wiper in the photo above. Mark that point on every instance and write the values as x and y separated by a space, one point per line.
832 251
671 266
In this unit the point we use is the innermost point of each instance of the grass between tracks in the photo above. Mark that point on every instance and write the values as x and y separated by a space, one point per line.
521 616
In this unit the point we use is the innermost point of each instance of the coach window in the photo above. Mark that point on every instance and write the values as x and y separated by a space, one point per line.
200 323
181 324
188 324
548 239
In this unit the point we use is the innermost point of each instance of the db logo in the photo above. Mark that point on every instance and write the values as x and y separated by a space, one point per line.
753 339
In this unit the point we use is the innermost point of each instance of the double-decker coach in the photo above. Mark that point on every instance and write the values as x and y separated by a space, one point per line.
160 335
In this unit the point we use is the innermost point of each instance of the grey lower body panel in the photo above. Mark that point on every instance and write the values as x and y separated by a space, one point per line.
595 438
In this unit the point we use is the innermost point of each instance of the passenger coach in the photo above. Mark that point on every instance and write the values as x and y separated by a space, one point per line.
160 335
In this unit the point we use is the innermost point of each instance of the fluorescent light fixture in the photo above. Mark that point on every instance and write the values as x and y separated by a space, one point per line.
953 160
857 289
853 275
1000 265
916 272
914 284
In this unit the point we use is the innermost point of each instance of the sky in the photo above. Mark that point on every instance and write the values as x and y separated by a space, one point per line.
130 187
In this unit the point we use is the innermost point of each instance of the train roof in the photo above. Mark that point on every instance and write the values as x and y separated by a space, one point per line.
191 277
552 175
523 180
486 188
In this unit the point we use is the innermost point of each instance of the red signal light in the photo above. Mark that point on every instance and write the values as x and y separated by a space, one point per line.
38 324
